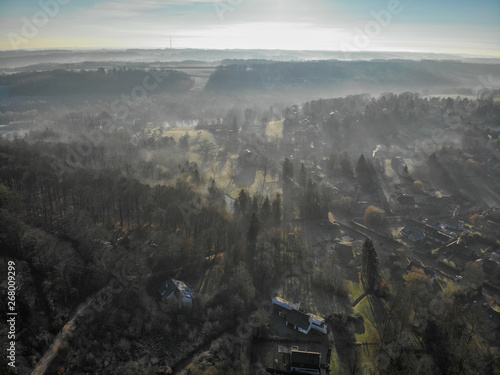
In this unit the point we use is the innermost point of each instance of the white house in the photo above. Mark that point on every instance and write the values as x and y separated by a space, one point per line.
298 320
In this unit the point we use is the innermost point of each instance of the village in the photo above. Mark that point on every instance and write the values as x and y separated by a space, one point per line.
418 224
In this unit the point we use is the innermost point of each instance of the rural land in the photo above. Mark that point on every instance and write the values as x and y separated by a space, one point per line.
227 212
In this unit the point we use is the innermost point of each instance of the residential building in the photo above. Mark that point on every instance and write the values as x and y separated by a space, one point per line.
175 290
298 320
406 202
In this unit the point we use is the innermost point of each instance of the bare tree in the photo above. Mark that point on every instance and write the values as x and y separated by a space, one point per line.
206 147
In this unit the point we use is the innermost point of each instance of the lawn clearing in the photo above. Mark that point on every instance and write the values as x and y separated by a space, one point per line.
364 308
371 335
195 135
270 186
354 289
334 363
274 129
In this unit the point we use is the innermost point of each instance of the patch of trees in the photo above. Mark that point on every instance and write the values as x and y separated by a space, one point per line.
390 73
64 82
374 216
365 174
419 331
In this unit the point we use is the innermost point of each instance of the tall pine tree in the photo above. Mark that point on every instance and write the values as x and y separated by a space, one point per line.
370 266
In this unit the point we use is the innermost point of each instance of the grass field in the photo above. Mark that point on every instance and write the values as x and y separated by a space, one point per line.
370 335
268 189
364 308
223 175
355 289
274 129
194 135
334 363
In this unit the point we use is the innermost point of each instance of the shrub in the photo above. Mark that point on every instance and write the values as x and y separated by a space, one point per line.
374 216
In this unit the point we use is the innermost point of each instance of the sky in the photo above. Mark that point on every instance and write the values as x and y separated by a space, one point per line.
441 26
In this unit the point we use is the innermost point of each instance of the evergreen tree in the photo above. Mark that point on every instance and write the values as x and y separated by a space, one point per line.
253 231
363 172
243 200
196 177
276 209
265 210
370 266
302 175
184 142
287 170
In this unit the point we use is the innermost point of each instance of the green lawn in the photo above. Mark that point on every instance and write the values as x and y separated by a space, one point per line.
334 363
364 308
371 335
354 289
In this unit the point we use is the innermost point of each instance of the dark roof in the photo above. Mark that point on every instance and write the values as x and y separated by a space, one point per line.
344 251
309 360
298 319
406 200
429 229
489 265
167 287
442 236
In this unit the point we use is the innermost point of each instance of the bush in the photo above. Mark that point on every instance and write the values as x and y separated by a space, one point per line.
475 219
374 216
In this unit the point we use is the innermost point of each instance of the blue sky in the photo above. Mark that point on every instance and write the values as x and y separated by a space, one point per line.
464 27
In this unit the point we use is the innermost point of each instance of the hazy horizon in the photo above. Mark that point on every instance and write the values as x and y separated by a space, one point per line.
444 27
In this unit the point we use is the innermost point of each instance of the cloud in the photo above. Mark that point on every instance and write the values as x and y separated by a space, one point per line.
134 6
280 24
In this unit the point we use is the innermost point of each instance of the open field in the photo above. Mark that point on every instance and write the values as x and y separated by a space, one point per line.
274 129
194 135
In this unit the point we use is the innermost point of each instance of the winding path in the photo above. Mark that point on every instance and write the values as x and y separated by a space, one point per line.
62 337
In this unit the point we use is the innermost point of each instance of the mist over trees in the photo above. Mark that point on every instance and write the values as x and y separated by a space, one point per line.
121 80
374 211
366 75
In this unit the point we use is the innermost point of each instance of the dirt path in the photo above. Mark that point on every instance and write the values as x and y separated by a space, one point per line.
62 337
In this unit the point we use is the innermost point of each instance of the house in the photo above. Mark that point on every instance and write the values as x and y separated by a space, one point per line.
436 235
406 202
247 158
305 362
344 251
489 266
442 238
174 290
412 233
298 320
317 179
454 224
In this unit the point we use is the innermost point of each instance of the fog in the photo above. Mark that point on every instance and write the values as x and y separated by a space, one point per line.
170 211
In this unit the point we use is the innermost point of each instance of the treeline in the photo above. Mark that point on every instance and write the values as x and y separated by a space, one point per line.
387 74
390 119
65 82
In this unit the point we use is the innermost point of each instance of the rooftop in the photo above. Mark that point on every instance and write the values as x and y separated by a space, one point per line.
310 360
298 319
